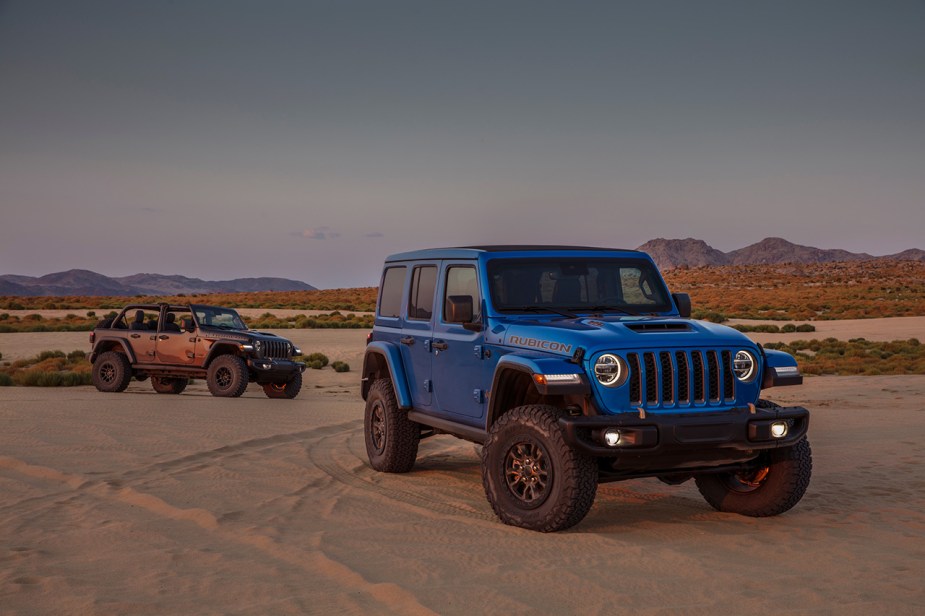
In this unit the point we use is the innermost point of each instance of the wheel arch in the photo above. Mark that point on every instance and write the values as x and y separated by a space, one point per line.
383 360
514 384
222 348
118 345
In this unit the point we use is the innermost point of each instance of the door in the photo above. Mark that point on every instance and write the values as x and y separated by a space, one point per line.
416 334
174 346
140 337
457 351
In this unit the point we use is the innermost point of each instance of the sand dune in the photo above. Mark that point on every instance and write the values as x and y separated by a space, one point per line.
151 504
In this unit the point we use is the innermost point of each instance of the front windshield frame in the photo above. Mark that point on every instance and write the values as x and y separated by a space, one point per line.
217 317
608 288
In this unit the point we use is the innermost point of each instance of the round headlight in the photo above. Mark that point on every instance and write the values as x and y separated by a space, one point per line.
258 345
610 370
745 366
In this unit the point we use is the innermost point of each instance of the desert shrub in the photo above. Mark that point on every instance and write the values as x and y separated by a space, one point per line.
34 317
91 314
341 366
788 328
48 369
856 356
709 315
805 327
4 316
5 380
1 355
318 357
315 364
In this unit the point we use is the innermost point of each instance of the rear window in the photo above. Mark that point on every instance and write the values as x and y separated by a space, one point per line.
393 280
423 284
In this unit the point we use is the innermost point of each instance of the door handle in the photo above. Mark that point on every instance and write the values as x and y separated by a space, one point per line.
163 337
136 336
408 340
439 345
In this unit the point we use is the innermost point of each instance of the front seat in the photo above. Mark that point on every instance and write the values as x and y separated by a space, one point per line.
139 322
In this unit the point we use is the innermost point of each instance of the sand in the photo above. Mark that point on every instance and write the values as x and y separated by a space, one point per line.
151 504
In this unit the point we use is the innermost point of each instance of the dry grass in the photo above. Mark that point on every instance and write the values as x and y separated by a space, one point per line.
856 356
48 369
825 291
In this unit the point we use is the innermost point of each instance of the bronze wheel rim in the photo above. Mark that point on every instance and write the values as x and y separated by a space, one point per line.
528 473
223 378
108 373
377 427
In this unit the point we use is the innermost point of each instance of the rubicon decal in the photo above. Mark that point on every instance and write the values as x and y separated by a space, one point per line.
536 343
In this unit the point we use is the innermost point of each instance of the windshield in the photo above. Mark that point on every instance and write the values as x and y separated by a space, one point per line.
221 318
627 286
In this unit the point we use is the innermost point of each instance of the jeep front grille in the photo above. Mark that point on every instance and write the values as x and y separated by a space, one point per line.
276 349
667 379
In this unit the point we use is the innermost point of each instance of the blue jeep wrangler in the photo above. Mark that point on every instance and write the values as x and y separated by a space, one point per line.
573 366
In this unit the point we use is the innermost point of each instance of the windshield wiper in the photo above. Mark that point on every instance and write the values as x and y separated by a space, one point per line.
560 311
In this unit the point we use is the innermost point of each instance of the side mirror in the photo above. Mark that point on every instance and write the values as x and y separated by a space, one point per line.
188 326
683 302
459 308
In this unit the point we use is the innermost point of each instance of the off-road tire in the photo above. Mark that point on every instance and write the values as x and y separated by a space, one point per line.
391 438
788 473
227 376
532 478
290 389
169 385
111 372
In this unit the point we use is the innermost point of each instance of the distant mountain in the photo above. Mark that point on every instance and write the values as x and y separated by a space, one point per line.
778 250
690 252
85 282
913 254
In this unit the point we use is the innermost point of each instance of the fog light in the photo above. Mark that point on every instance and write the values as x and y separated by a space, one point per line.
779 429
612 437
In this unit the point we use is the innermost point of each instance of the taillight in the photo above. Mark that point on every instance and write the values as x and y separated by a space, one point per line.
92 337
369 337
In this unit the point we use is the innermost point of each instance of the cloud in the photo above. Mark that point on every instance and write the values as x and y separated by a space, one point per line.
318 233
374 234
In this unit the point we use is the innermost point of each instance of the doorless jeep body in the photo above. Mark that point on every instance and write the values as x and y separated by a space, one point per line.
180 342
557 358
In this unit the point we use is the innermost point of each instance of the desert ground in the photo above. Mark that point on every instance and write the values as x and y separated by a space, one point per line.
148 504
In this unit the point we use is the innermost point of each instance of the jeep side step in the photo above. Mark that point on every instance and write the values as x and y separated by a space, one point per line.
467 433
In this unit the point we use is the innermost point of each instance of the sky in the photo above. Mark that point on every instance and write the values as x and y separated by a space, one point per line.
309 140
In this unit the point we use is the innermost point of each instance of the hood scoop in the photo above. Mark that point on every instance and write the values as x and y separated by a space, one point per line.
649 328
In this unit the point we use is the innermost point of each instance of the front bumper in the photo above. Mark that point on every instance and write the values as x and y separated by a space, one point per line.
685 439
273 370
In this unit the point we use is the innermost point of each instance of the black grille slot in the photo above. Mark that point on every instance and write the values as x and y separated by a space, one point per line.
684 381
276 349
713 367
728 380
697 376
635 379
651 378
667 377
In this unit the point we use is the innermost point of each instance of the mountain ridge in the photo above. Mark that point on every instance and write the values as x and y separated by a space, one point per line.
80 282
690 252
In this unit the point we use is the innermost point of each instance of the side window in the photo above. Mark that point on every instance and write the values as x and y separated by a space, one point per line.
462 280
390 295
421 301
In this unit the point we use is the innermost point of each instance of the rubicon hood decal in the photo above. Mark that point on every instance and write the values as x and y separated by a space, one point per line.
537 343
